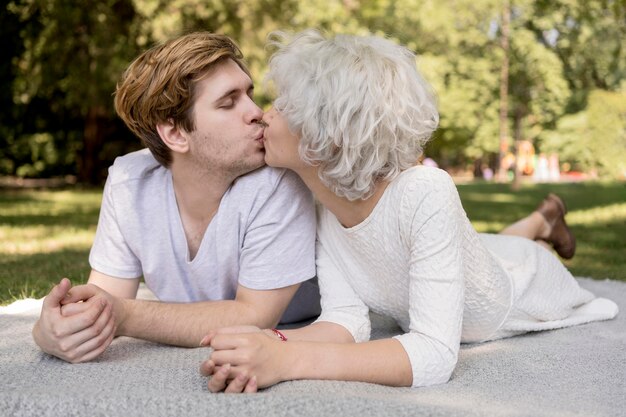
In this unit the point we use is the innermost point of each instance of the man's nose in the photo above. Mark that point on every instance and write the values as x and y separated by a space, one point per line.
255 114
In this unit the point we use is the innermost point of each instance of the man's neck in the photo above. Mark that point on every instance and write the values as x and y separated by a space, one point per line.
349 213
198 196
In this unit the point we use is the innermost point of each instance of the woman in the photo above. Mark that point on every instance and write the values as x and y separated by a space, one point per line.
351 118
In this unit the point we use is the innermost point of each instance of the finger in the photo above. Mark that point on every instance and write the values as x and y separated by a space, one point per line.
223 357
251 386
206 340
57 293
80 343
74 308
97 352
80 293
78 322
207 368
96 345
227 341
217 382
237 385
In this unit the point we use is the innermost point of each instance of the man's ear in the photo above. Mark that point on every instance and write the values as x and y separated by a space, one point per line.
173 136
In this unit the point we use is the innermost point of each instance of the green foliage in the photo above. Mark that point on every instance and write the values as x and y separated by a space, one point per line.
61 89
61 60
595 138
607 128
589 38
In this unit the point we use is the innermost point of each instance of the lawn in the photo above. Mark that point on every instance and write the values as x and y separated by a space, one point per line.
46 235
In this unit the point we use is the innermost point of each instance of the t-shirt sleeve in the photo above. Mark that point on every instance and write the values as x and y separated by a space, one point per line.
279 244
110 253
436 284
340 304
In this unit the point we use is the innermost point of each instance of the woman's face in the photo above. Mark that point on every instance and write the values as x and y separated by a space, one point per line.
281 146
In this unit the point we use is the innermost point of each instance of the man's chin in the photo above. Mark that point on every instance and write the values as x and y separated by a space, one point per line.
246 169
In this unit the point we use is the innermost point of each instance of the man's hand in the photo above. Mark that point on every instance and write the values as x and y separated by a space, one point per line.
71 330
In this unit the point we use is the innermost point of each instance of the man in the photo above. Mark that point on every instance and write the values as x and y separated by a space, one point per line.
218 238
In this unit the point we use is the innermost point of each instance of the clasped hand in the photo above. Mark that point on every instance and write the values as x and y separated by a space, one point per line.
244 358
76 324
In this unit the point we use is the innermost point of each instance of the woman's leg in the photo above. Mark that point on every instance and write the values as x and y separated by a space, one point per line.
533 227
546 224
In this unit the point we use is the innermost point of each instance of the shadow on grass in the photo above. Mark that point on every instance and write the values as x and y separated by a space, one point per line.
497 202
80 220
22 208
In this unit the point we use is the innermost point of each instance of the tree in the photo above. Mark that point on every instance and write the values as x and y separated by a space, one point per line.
11 47
65 59
505 38
595 138
589 37
67 72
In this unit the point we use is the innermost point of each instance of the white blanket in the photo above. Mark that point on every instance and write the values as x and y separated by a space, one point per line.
577 371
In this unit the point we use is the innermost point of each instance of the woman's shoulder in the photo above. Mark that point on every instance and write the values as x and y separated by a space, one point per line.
423 191
424 180
425 172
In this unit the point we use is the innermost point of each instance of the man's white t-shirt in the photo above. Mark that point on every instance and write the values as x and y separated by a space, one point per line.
262 236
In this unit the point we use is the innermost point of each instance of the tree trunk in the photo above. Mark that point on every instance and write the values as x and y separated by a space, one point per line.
517 137
93 138
504 90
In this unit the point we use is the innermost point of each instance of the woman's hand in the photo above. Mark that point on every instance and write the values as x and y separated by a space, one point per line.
244 358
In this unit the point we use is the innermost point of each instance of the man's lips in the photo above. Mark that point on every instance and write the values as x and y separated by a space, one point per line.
260 139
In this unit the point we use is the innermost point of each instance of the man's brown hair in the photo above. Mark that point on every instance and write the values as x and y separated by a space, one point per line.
160 85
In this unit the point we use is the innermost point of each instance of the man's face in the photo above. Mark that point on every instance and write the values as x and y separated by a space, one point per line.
228 138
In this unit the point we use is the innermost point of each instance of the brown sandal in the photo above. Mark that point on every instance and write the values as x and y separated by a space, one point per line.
561 238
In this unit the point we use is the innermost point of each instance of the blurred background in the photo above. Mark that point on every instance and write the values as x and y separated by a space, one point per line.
527 89
532 96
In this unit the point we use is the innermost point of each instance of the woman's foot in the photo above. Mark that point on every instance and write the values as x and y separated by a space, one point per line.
559 236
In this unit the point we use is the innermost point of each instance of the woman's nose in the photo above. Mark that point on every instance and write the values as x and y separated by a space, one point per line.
267 116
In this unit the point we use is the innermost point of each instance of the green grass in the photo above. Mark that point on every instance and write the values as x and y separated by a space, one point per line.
46 235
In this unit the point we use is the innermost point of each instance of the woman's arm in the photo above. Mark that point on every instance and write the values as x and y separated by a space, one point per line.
320 331
238 357
380 361
432 221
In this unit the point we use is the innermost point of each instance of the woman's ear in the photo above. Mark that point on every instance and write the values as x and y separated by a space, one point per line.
173 136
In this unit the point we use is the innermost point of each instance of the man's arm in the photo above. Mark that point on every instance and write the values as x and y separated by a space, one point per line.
117 287
185 324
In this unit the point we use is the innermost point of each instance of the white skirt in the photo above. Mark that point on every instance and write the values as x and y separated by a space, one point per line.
545 294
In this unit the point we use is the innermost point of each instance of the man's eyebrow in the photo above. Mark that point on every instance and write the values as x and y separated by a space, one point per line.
234 91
